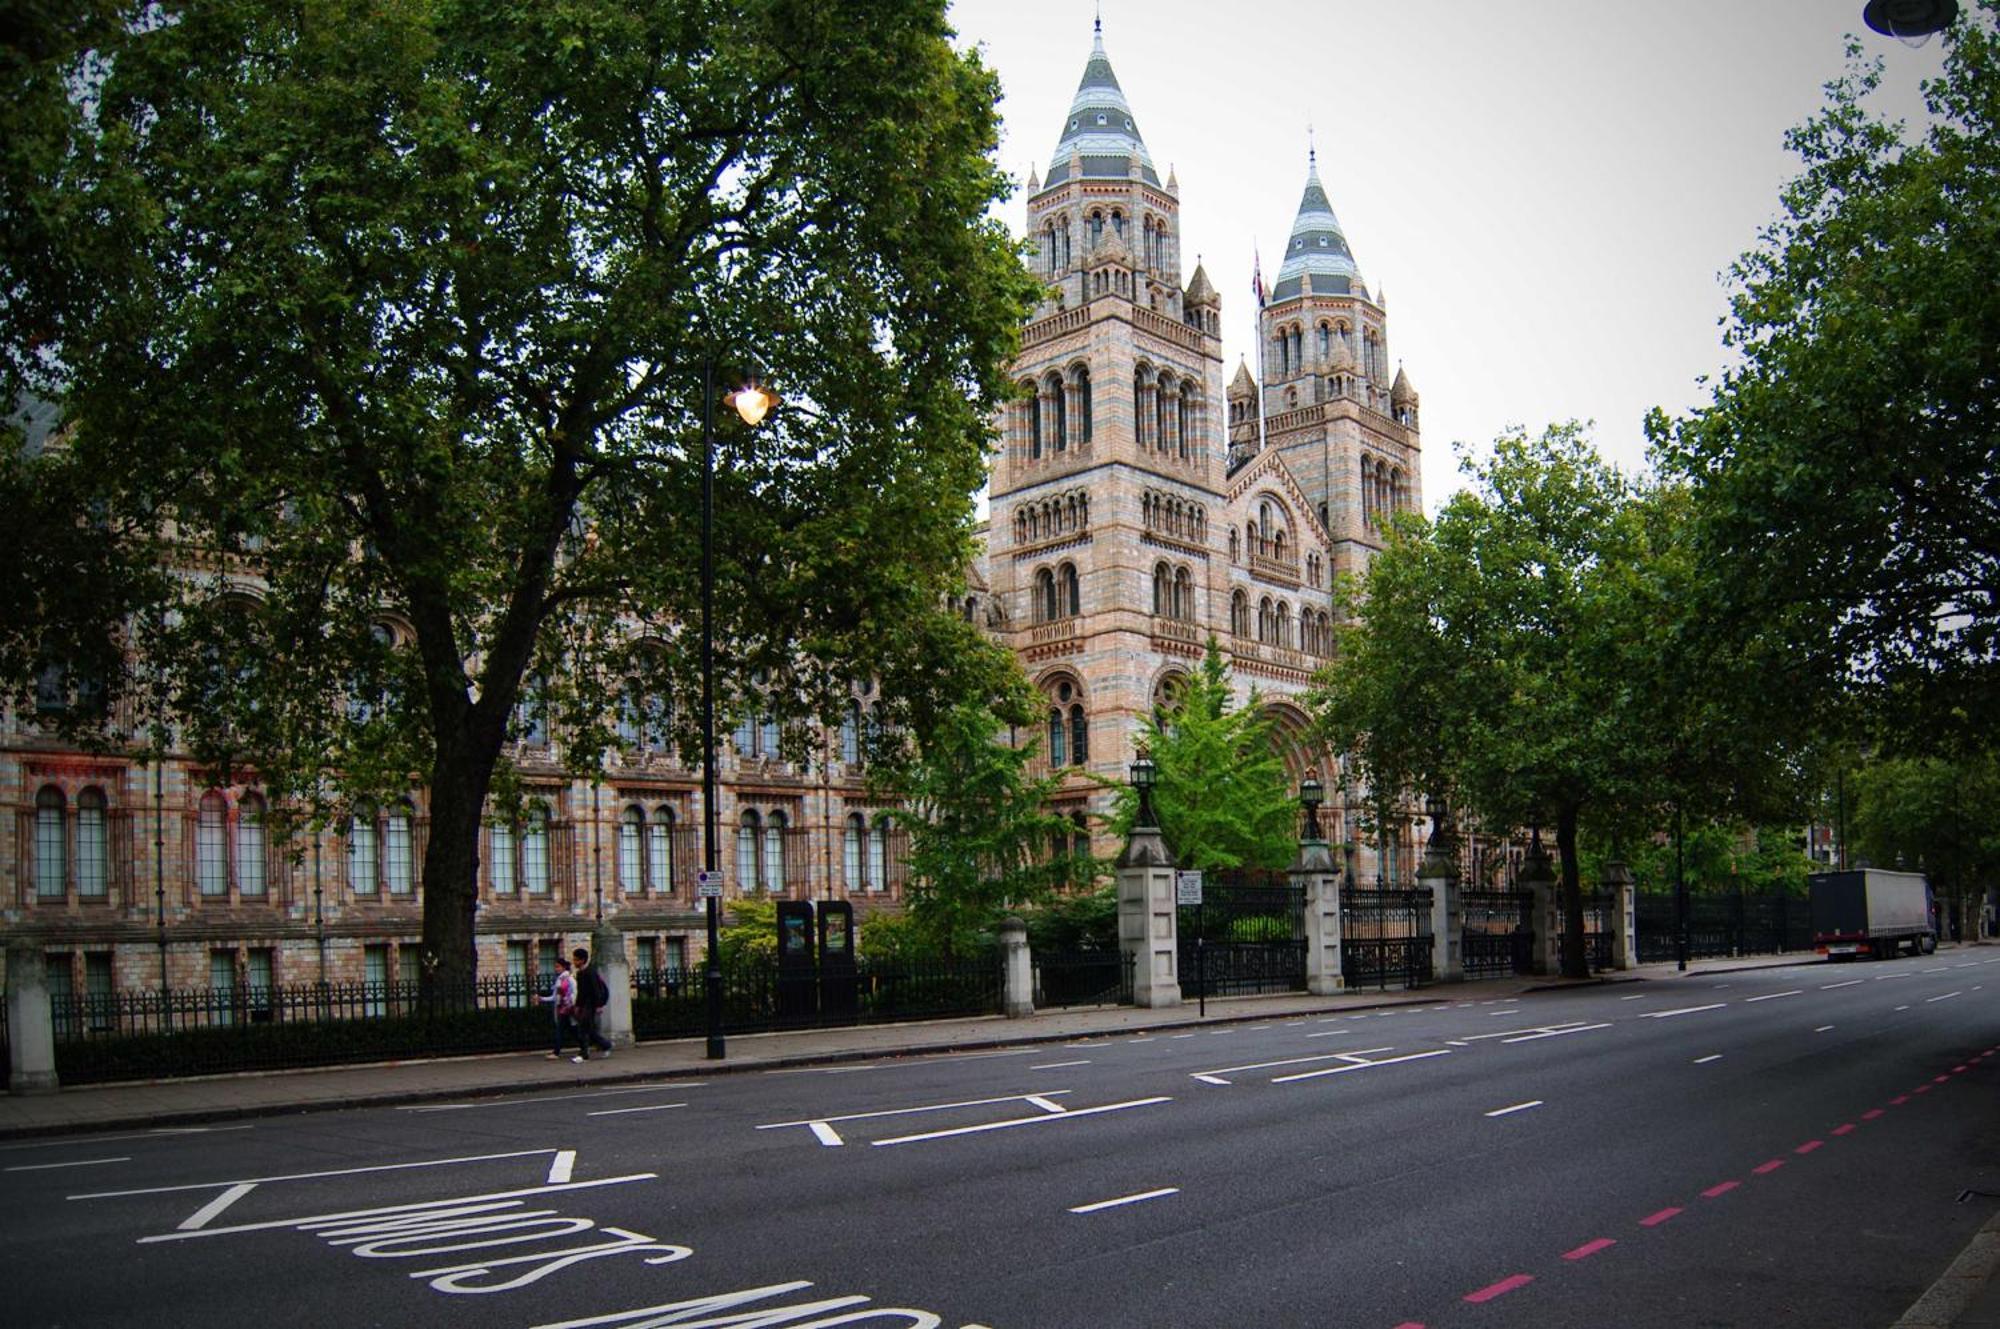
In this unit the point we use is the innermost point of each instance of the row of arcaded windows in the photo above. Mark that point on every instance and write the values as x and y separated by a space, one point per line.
1172 516
1273 625
1050 518
1057 254
1057 412
1384 489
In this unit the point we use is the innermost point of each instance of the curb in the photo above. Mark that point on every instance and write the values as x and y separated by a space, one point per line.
1957 1287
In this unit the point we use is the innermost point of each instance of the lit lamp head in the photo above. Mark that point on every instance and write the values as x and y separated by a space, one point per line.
1144 776
753 401
1311 794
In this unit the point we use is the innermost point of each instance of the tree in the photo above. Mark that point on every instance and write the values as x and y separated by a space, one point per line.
1934 816
1846 467
1522 624
1223 798
982 835
383 329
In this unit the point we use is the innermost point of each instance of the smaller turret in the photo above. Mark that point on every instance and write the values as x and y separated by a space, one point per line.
1242 395
1034 181
1403 399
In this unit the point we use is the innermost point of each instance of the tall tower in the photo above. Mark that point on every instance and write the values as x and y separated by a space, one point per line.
1104 492
1347 433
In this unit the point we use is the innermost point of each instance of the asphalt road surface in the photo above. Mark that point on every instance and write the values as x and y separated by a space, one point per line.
1806 1146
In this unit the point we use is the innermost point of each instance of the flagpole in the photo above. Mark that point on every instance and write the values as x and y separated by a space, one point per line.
1257 338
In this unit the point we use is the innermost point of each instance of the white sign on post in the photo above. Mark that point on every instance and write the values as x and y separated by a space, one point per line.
1187 887
708 885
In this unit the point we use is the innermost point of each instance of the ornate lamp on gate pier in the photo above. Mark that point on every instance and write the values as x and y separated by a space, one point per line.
1311 794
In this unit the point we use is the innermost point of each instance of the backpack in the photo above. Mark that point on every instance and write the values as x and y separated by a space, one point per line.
600 991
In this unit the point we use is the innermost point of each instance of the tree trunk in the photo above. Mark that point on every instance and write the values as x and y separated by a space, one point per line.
458 785
1575 962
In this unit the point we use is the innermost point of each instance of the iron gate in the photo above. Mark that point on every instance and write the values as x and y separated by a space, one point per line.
1499 937
1247 935
1599 928
1385 937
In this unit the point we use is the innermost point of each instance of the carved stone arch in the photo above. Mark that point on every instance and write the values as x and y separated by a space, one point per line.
1169 685
1291 739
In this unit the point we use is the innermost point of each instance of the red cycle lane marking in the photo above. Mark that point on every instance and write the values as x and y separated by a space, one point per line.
1501 1288
1923 1089
1942 1078
1808 1146
1654 1220
1409 1324
1845 1128
1721 1188
1871 1114
1772 1166
1589 1248
1899 1100
1959 1070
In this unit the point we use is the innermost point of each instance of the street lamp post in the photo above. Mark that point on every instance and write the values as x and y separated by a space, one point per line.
1311 794
752 402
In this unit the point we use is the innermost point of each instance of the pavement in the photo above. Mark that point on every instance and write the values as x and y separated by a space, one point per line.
1966 1296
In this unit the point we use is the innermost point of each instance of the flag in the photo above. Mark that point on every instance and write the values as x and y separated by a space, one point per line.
1257 276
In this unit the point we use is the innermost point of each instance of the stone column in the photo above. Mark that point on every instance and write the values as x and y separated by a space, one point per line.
607 955
1624 914
1017 972
31 1035
1538 876
1438 874
1316 871
1148 925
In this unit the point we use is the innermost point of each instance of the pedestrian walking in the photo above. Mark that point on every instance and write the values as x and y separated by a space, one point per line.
562 996
593 994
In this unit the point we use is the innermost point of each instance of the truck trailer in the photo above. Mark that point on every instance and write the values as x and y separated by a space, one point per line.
1871 912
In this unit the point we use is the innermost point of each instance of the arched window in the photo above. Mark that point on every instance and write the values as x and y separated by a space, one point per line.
1325 341
852 839
1184 426
1058 745
1163 591
1239 614
1183 596
1139 408
252 873
1052 393
535 852
660 850
748 828
1079 736
502 871
1284 624
211 846
1085 422
1235 550
767 736
396 851
878 854
51 844
362 861
1046 607
1266 621
1096 229
774 852
850 734
631 843
1163 414
1033 406
93 845
1072 592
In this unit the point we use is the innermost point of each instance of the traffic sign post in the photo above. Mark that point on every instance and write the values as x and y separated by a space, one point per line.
1187 890
708 884
1187 887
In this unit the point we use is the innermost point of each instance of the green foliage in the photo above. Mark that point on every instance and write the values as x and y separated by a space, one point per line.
750 935
398 315
982 837
1223 798
1845 466
893 938
1937 816
1078 921
1717 858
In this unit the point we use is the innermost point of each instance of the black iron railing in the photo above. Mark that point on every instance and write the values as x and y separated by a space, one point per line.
670 1003
1082 978
1247 935
201 1031
1384 938
1499 936
1731 923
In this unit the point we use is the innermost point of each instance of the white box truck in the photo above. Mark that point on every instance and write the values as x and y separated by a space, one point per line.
1872 912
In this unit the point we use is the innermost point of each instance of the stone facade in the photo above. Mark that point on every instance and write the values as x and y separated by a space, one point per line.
1137 506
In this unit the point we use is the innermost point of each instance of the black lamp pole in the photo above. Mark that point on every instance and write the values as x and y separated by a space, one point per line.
712 972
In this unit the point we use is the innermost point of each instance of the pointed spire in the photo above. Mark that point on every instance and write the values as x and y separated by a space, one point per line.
1200 290
1318 246
1173 180
1100 132
1400 392
1242 385
1034 181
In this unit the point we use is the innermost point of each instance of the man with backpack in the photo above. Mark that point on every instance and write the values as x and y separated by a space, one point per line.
592 996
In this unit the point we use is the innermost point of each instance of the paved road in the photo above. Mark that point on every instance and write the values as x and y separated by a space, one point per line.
1773 1147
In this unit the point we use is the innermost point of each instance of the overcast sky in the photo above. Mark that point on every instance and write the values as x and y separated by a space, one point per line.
1546 191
